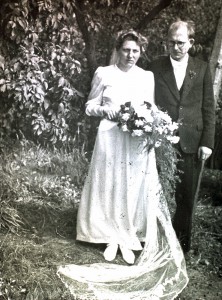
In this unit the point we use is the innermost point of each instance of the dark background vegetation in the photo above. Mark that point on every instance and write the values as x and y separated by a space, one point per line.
49 50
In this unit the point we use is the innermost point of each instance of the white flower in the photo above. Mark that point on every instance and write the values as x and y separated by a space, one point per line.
166 118
160 130
147 128
125 116
172 127
137 132
158 144
173 139
139 123
124 128
143 112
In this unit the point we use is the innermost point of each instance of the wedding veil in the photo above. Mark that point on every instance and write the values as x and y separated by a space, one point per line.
158 273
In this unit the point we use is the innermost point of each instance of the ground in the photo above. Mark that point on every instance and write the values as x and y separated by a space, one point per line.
29 258
204 262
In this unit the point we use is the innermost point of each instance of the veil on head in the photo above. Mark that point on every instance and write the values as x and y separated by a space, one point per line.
121 37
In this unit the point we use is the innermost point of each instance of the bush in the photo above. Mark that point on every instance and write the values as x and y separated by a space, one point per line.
38 71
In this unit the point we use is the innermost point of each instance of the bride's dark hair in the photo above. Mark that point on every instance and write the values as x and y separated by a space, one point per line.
130 35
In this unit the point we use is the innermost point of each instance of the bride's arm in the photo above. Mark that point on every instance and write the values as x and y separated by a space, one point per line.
94 103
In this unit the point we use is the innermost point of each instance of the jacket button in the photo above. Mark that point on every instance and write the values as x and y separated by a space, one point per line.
181 107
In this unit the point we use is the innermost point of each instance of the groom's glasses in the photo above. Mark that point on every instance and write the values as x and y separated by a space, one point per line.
178 43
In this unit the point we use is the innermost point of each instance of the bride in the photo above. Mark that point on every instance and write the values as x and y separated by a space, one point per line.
122 204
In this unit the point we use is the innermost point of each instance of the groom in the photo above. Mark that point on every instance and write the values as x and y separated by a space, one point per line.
183 88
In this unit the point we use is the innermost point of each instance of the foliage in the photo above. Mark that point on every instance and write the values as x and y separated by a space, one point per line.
10 220
39 188
49 51
38 70
152 18
30 258
31 172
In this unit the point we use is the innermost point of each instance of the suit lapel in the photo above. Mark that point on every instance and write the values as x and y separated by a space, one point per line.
169 78
191 72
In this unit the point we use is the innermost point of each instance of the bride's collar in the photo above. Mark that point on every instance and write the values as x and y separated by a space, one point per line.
125 71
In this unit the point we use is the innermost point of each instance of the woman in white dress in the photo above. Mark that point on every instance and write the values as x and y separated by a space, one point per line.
112 209
122 204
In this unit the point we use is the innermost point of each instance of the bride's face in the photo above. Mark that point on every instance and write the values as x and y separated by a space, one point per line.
128 55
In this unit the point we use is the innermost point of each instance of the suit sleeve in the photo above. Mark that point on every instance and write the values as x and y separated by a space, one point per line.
208 111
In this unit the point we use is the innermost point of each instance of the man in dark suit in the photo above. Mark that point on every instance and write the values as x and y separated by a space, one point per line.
183 88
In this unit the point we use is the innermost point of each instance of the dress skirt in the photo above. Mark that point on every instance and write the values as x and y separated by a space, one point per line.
114 199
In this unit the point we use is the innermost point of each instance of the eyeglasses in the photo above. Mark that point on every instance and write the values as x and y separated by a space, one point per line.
178 43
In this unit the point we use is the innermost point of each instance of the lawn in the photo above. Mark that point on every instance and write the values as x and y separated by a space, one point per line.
40 191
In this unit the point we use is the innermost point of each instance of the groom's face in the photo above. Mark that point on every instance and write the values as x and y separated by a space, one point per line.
179 43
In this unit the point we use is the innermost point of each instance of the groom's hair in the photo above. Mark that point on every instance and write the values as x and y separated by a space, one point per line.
190 25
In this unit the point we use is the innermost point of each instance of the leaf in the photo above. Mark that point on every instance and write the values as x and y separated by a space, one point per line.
2 65
61 81
35 115
61 108
46 103
3 88
21 23
36 127
46 85
53 117
40 90
39 131
34 37
37 96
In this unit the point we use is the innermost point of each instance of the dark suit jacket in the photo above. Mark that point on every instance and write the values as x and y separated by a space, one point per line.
194 105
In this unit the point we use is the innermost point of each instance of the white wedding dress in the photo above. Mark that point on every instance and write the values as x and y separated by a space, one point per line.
122 202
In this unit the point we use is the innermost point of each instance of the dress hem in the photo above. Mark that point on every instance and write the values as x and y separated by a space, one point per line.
108 241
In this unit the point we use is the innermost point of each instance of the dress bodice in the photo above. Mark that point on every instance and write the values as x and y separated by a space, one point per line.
113 87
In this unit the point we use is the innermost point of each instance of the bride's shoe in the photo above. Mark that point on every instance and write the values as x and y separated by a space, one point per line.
110 252
128 255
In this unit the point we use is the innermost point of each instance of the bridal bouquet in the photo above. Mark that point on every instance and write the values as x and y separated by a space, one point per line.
149 122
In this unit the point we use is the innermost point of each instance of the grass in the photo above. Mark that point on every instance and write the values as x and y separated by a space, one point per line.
39 194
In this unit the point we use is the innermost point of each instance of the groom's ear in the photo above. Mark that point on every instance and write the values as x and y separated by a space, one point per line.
192 41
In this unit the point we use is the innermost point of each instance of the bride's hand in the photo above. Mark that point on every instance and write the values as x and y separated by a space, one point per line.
110 113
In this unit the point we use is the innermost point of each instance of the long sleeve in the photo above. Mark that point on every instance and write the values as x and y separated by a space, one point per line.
208 111
93 105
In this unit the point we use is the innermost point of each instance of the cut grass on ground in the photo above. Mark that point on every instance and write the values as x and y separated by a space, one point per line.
40 236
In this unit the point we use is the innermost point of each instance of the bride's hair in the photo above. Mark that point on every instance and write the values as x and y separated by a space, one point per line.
127 35
130 35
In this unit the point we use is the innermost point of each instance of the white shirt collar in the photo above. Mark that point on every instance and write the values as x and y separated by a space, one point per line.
181 63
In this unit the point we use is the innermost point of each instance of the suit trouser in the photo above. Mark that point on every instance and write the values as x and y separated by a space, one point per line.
185 198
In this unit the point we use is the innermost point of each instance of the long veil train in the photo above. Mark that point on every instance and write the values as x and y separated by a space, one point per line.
158 273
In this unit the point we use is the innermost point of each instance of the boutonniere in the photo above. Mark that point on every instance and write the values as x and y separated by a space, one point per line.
192 74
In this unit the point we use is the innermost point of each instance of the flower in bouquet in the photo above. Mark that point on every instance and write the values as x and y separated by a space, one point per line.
157 130
149 122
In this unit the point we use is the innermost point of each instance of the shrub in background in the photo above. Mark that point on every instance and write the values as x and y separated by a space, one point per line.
39 70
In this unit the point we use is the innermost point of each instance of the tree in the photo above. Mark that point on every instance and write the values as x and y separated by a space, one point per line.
216 70
38 69
49 50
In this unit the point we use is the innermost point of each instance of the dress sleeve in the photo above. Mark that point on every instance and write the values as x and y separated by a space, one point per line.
93 105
